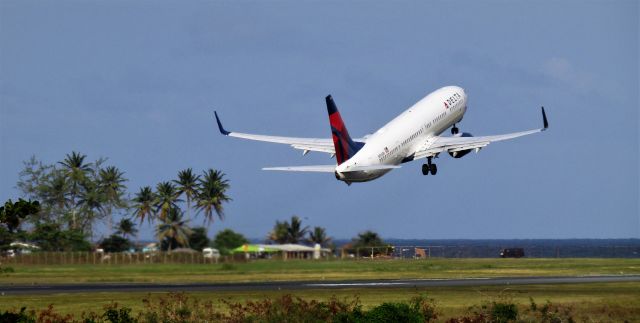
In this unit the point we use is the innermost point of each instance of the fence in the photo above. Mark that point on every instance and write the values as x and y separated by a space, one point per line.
530 251
491 251
387 252
94 258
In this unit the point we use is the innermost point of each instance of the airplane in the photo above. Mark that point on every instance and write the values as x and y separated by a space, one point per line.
412 135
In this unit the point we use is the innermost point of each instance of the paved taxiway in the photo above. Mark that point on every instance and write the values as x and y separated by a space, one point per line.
298 285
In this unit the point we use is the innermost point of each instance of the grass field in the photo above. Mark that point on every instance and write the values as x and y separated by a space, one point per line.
274 270
593 302
596 302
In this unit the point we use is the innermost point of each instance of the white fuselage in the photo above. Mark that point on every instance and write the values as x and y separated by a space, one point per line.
394 143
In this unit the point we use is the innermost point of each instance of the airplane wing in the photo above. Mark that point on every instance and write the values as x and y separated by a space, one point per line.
436 145
312 168
324 145
330 168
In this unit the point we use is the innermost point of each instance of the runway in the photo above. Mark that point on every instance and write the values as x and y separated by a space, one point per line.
301 285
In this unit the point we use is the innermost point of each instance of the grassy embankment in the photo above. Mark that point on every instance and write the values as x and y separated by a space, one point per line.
594 302
272 270
597 301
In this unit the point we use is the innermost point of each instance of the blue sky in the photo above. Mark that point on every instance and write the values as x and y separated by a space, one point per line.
137 82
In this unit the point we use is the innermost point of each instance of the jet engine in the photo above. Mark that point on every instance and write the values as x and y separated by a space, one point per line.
461 153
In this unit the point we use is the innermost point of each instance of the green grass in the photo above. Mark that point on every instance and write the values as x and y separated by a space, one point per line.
277 270
594 301
597 302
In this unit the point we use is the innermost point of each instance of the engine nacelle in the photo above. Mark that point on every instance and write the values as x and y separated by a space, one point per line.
461 153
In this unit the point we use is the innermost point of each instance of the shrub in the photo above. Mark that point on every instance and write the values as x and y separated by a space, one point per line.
115 243
393 312
549 313
51 237
227 239
115 315
290 309
198 239
503 312
495 312
178 307
50 315
426 307
20 317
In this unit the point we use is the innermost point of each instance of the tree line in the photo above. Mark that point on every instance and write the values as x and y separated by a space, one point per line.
67 199
74 195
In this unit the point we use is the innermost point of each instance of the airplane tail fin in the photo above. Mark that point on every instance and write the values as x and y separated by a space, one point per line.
345 146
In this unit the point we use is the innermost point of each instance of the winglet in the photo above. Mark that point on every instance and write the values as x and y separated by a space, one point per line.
222 131
544 119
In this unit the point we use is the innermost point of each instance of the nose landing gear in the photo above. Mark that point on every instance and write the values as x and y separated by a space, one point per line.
454 130
429 167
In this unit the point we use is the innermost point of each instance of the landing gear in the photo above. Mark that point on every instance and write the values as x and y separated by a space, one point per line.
429 167
454 130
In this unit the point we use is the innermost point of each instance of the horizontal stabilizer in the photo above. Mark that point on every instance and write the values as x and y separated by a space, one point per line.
311 168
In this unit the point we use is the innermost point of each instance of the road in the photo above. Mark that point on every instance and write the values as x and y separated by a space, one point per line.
300 285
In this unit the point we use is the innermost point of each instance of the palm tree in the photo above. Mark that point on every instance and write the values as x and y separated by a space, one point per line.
366 242
173 230
211 194
368 239
296 232
188 185
280 232
75 163
143 204
56 191
111 184
91 202
126 228
166 199
285 232
76 171
319 235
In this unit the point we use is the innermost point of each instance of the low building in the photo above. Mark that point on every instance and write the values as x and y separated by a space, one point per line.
287 251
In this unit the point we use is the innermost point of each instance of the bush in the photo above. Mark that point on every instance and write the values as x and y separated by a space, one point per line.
393 312
198 239
426 307
115 243
50 237
490 312
114 315
227 239
20 317
178 307
503 312
549 313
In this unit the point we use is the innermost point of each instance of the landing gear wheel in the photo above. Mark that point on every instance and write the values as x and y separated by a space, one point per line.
425 169
433 169
454 130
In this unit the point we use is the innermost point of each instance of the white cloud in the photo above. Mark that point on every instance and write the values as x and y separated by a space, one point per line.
562 70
